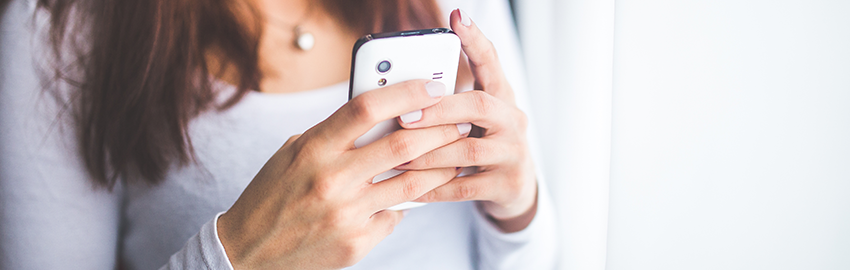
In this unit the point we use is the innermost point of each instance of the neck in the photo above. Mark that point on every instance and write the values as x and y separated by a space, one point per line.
285 68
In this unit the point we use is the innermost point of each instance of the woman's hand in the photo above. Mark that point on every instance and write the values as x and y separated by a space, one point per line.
313 205
505 183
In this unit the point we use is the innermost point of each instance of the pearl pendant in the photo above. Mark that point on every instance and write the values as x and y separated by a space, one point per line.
304 40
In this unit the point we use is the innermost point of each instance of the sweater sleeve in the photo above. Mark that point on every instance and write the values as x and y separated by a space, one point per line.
534 247
51 214
202 251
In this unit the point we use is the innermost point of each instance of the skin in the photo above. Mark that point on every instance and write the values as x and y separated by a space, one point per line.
505 184
313 206
286 68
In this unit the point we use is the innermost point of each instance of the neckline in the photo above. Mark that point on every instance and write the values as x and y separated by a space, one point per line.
312 92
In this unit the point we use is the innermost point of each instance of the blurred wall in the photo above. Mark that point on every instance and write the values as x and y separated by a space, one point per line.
722 127
731 135
568 48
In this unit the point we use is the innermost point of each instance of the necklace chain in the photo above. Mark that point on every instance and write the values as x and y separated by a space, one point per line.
301 38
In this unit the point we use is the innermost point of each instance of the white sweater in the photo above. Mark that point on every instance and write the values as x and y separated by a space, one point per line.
52 217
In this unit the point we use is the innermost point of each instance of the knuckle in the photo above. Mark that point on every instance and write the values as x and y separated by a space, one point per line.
324 187
306 150
336 219
401 146
482 102
514 187
412 188
431 196
414 88
451 173
363 107
450 132
490 51
294 146
292 139
517 150
522 120
391 227
428 160
465 192
487 52
348 253
475 151
437 110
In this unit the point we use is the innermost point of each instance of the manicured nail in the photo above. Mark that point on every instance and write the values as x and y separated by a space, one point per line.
411 117
435 89
463 128
464 18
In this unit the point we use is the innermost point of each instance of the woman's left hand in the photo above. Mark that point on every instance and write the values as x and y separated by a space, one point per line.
505 184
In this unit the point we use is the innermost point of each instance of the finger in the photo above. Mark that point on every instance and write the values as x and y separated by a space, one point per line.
407 186
368 109
399 147
483 59
383 223
476 107
476 187
465 152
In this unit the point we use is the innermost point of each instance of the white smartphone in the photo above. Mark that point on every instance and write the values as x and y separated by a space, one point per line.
380 60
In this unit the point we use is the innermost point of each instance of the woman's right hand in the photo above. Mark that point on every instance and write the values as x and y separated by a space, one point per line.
313 204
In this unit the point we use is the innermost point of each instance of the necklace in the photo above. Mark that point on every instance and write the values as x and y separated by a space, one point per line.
301 38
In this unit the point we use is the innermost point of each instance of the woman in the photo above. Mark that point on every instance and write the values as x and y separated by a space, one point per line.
163 151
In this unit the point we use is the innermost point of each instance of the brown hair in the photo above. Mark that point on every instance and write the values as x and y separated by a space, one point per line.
140 74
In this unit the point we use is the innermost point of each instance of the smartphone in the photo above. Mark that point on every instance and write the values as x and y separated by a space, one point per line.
381 60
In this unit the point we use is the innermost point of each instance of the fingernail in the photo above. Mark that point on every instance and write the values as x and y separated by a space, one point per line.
435 89
463 128
411 117
464 18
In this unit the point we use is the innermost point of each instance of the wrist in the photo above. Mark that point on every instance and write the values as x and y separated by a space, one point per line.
224 228
511 220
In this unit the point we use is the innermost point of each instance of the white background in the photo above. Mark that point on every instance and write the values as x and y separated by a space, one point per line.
726 126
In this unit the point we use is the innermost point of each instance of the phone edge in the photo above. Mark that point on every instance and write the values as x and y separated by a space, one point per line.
367 38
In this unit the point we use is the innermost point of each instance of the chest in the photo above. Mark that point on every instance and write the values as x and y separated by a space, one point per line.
231 148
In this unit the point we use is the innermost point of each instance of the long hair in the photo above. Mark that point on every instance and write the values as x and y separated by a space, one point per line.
138 74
